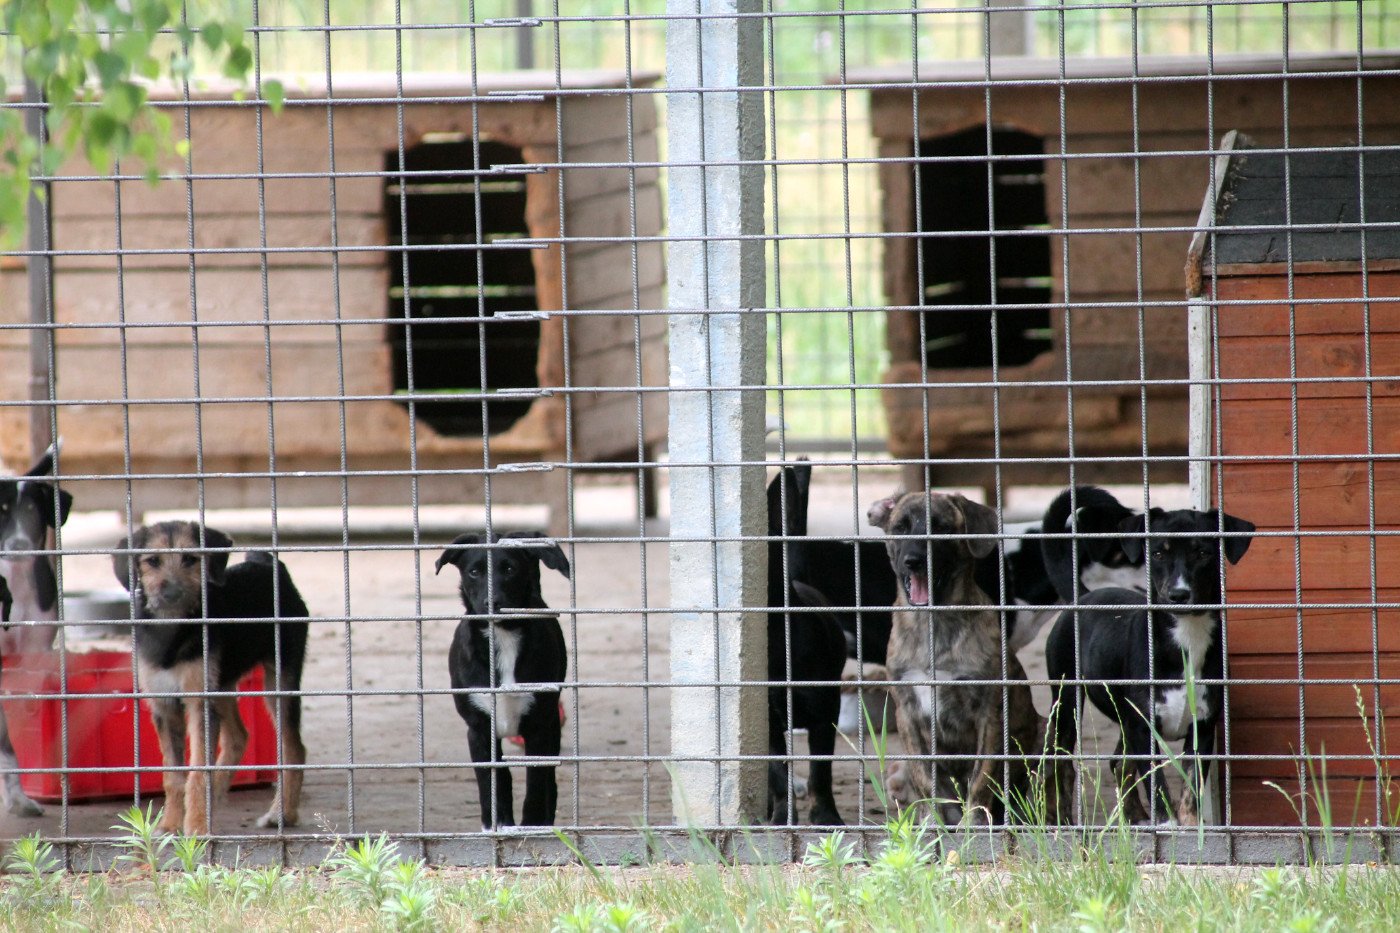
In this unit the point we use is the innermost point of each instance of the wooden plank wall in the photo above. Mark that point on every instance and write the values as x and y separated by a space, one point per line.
1112 180
1331 496
306 285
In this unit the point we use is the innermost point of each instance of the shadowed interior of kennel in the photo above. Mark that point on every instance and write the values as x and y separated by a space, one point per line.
1125 162
258 251
451 280
1293 304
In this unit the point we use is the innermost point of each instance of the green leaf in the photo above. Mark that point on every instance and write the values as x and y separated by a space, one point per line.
124 100
110 66
239 61
275 95
154 16
213 35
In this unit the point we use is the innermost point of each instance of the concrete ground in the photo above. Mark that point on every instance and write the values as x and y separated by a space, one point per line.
409 748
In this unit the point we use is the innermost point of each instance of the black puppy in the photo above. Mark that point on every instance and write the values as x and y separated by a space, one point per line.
802 646
169 568
1182 550
1102 561
490 655
848 573
30 508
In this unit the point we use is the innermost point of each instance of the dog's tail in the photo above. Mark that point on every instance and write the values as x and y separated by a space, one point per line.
1098 511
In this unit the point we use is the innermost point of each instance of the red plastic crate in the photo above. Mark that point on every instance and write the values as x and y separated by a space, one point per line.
100 728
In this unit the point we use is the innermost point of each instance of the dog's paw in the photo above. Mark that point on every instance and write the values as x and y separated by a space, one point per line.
269 820
21 805
849 722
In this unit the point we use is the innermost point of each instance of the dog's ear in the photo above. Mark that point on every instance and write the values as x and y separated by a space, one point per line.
1133 527
802 472
43 466
1094 520
44 494
6 601
455 555
122 561
217 563
978 519
878 515
548 553
1234 546
787 501
45 583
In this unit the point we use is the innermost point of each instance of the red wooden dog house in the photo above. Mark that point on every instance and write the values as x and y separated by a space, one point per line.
1293 288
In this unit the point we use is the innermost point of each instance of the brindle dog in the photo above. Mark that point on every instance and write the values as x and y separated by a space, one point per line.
935 566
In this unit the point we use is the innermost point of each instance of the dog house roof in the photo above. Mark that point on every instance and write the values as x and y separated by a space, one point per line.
1259 196
1011 69
383 87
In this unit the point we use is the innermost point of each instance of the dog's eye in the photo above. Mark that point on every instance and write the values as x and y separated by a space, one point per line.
189 560
474 572
507 569
151 560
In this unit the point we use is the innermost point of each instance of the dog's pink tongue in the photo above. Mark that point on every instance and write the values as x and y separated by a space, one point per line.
918 590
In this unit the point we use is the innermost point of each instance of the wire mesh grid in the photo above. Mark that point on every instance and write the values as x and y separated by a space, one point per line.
590 270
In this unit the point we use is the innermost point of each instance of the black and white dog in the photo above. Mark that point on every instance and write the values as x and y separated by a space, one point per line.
1102 561
1183 551
15 799
31 508
489 656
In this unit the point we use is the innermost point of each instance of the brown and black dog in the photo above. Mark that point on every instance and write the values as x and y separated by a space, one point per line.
167 566
933 649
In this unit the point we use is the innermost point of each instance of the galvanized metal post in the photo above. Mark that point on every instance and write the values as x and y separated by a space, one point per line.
40 269
1010 33
717 581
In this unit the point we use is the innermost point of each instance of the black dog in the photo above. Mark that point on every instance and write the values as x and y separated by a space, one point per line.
167 567
853 573
802 646
30 508
504 573
1113 645
1101 561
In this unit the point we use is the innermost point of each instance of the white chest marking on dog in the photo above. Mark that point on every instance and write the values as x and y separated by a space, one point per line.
923 688
1194 634
510 707
1096 576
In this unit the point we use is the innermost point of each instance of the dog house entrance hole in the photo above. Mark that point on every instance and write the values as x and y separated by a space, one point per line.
446 356
960 270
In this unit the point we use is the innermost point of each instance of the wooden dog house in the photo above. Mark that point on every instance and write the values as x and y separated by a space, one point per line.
1316 305
1135 137
350 359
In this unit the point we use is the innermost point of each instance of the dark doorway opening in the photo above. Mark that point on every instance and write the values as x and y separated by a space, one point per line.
445 355
961 271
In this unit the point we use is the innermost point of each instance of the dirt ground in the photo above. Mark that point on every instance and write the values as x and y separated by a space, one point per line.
409 748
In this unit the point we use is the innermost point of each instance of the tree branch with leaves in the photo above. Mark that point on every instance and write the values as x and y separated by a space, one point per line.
94 61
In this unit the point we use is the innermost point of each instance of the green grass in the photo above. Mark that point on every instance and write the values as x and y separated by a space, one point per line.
905 883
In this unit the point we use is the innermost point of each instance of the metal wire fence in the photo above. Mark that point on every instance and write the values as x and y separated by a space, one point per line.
590 270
